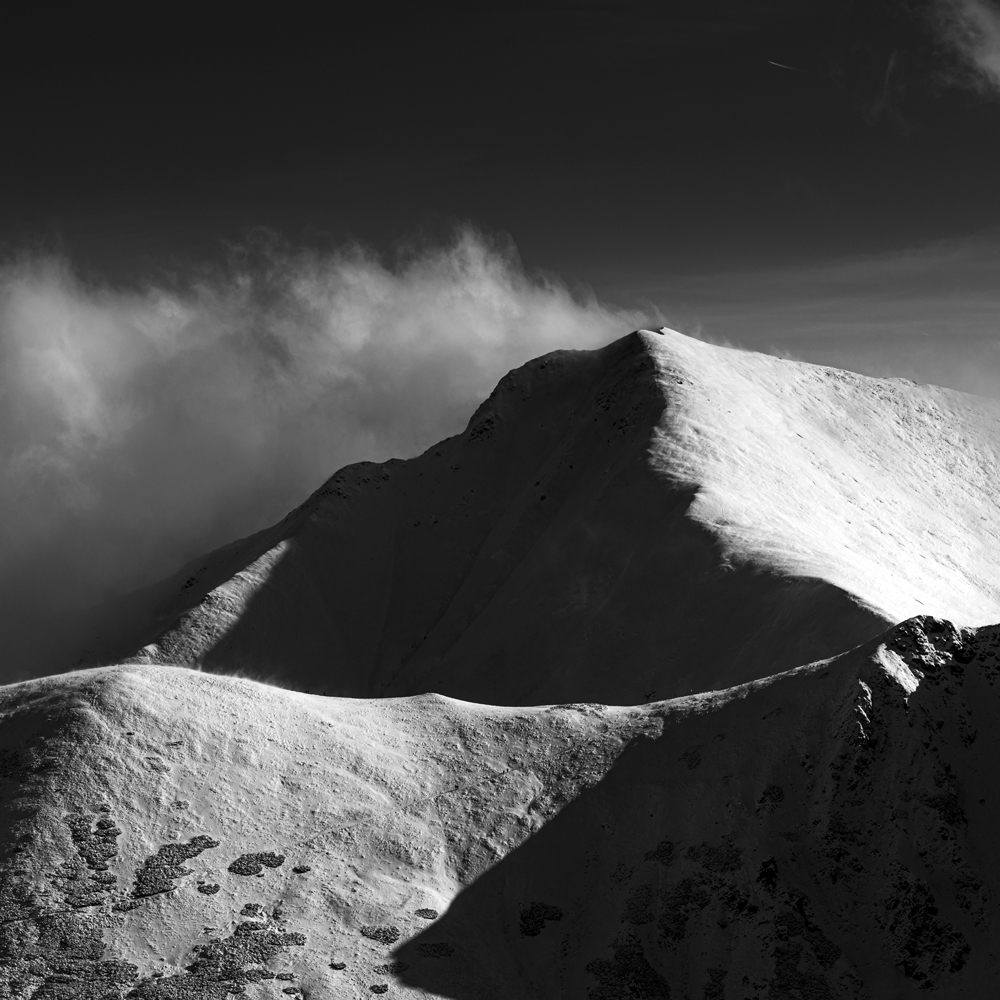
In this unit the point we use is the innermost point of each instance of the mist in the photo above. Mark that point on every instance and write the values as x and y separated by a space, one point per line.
142 427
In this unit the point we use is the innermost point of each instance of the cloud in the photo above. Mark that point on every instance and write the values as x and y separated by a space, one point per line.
138 428
971 28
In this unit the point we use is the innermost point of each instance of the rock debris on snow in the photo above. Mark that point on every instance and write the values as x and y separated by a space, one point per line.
798 562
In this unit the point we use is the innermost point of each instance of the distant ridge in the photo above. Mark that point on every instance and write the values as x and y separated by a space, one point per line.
655 518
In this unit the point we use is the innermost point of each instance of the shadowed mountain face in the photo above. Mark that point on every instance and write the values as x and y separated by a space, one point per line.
827 832
652 519
661 517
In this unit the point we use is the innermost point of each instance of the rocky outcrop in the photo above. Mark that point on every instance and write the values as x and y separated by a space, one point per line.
826 832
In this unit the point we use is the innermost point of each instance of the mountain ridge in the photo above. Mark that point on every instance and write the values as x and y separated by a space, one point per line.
826 830
611 507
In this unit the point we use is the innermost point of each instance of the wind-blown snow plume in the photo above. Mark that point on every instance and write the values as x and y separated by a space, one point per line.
138 428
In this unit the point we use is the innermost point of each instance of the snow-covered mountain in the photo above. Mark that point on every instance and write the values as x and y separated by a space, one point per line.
656 518
643 687
826 832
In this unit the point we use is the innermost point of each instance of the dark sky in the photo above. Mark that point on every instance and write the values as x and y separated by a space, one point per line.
632 148
815 177
592 133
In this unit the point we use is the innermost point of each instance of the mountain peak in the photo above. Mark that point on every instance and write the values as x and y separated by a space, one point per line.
704 514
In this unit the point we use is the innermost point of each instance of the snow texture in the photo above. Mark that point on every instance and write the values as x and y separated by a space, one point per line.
652 519
826 832
630 718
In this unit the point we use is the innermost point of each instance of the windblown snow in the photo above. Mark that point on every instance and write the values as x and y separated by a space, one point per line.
643 687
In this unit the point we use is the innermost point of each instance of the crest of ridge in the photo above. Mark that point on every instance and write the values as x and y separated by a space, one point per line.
659 517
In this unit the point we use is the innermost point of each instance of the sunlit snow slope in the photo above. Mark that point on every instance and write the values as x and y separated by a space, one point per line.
828 833
658 517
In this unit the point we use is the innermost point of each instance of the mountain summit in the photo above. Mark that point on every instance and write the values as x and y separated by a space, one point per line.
659 517
705 760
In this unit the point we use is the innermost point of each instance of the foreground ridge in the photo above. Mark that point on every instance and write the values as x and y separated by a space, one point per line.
826 832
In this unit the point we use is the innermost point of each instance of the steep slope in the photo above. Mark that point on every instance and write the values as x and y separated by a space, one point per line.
652 519
827 832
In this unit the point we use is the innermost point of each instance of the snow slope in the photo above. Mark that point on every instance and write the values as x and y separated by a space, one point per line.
663 526
652 519
827 832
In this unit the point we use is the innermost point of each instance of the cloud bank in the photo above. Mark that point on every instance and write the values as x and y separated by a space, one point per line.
139 428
